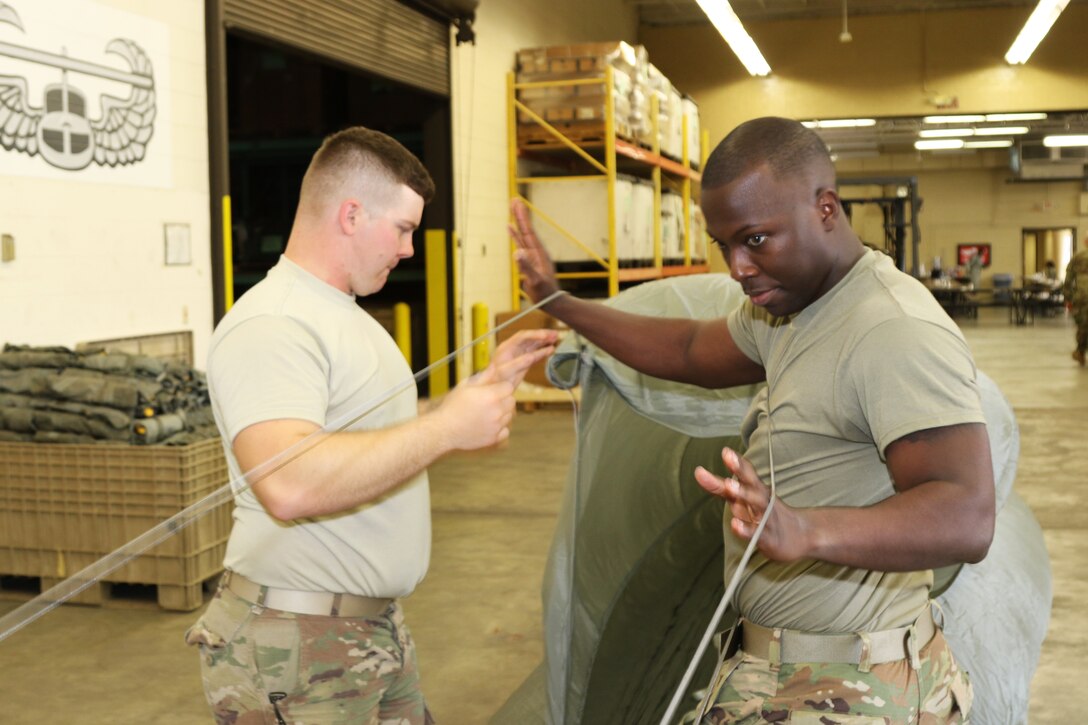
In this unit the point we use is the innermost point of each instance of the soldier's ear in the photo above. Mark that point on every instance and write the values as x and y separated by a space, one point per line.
349 215
827 205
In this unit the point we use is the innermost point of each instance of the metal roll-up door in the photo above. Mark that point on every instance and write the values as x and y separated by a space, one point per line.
379 36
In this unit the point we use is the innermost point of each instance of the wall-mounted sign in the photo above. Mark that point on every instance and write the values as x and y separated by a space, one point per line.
964 253
178 244
82 93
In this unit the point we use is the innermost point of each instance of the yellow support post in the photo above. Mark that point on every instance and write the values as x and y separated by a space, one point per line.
481 351
610 164
512 175
685 189
228 257
655 120
402 329
458 311
437 309
704 153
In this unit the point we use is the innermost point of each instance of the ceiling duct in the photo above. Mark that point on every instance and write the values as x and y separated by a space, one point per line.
1030 160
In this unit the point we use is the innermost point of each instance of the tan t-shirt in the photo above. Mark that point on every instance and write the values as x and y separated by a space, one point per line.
296 347
874 359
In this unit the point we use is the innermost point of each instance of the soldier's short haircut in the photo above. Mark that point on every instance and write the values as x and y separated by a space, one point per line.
363 156
787 147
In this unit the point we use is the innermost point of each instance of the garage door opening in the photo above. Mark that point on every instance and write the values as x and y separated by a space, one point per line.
281 103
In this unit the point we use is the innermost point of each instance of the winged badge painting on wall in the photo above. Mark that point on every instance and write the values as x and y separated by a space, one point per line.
59 130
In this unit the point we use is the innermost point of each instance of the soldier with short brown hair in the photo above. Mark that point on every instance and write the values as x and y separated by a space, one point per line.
306 626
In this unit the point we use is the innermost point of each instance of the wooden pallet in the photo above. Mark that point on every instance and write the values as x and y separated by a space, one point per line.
112 594
534 136
531 397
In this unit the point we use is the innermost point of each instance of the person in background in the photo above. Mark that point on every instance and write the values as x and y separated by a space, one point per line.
1075 290
1050 270
306 625
881 456
974 268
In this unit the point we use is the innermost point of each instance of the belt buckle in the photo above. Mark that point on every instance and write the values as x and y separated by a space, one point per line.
865 660
912 647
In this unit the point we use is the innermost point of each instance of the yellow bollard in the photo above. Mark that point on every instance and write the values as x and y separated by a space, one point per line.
402 329
481 351
228 256
438 344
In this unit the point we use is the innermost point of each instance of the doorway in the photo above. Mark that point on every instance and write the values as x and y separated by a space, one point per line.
281 103
1047 251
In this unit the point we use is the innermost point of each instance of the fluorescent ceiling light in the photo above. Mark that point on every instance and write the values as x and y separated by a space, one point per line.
989 117
1034 30
1001 130
840 123
1015 116
722 17
853 146
859 154
995 144
965 118
941 143
1068 140
946 132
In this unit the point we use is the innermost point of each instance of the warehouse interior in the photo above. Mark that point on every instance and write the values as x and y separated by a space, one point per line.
252 88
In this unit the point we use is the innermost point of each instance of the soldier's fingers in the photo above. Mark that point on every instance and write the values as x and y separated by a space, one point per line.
740 466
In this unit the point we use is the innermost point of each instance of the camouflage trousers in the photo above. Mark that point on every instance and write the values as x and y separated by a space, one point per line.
279 668
754 691
1080 318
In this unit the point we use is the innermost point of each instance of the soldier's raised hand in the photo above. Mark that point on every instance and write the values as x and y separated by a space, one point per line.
536 266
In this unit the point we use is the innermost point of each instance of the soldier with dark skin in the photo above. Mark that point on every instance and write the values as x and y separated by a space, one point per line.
771 206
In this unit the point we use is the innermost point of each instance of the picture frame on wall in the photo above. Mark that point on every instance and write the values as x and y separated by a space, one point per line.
964 252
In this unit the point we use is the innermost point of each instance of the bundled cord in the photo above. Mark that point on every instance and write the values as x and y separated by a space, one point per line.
727 597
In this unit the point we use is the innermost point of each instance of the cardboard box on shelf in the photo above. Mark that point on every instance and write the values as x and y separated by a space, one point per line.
571 104
581 208
535 320
578 57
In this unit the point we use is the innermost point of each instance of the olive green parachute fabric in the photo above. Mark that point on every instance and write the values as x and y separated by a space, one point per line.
635 568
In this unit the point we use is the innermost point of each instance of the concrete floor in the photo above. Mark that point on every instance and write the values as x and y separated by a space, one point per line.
476 618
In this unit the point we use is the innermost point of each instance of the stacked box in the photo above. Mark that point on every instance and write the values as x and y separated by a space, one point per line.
672 227
672 230
579 104
698 234
579 109
670 114
695 133
63 507
535 320
640 226
581 207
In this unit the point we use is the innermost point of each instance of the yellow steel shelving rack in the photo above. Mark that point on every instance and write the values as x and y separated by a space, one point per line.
606 169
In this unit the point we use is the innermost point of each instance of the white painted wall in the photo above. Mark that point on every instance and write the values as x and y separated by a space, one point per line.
479 124
89 248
